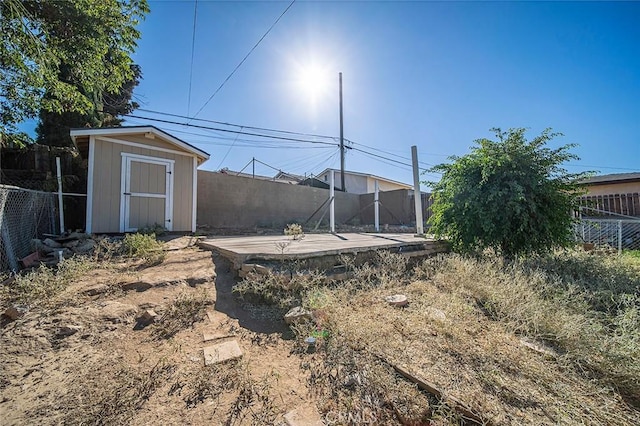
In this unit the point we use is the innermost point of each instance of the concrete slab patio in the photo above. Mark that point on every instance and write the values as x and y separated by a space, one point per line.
281 247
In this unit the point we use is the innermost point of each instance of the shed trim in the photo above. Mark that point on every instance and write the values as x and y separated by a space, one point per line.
149 147
140 129
194 195
90 168
167 196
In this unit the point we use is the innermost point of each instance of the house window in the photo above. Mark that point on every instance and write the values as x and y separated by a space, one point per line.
325 178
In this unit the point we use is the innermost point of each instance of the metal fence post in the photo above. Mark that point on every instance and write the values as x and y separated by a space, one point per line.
619 236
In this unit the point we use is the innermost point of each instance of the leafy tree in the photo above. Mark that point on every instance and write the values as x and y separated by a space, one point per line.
61 56
53 128
511 195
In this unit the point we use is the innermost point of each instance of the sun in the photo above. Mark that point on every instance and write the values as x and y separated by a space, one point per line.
313 80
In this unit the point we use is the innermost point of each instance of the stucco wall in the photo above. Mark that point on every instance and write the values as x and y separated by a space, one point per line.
614 188
227 201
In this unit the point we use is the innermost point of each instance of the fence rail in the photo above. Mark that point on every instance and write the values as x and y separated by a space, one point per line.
619 234
24 214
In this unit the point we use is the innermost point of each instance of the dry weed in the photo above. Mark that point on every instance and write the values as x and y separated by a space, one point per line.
186 310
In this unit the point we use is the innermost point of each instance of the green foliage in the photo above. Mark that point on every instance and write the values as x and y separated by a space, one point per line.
144 246
62 56
511 195
53 128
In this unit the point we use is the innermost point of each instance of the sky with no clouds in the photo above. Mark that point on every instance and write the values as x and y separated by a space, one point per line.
433 74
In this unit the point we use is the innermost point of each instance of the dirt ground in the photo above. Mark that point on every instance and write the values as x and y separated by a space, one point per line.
84 358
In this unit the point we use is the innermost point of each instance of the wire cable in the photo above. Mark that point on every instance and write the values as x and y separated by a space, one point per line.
193 45
244 59
231 131
239 125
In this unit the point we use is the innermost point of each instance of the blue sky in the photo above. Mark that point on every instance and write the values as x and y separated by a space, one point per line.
433 74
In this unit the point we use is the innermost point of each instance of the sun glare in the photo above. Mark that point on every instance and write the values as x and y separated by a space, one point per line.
314 81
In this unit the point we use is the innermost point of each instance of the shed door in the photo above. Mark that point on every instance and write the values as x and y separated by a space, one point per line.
147 192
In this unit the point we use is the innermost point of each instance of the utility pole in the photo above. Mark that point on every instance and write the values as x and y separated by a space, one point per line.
253 173
417 194
341 141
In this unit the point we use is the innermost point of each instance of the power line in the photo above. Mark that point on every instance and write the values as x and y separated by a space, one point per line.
193 45
244 59
238 125
231 131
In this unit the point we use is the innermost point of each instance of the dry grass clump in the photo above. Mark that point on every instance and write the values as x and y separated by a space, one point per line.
587 307
463 333
282 289
116 400
186 310
42 284
230 386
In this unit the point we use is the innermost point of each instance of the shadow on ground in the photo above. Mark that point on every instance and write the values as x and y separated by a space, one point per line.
228 303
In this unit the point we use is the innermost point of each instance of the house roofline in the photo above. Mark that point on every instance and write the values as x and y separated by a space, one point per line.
612 178
110 131
347 172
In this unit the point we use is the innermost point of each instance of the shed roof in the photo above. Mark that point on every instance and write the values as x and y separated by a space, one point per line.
612 178
129 130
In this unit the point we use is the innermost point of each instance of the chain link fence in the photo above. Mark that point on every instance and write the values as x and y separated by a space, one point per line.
24 214
618 234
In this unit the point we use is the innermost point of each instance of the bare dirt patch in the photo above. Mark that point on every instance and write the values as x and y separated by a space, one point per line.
84 358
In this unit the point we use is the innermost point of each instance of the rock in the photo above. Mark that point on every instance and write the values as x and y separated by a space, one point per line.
68 330
85 247
222 352
16 311
303 416
397 300
148 316
117 312
138 286
79 235
50 243
96 289
71 244
539 348
436 314
38 245
253 267
296 315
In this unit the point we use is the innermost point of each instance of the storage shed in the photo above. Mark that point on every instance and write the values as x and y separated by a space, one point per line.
138 177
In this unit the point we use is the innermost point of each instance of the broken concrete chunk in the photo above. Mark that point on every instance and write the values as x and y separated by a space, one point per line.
296 315
148 316
16 311
50 243
222 352
397 300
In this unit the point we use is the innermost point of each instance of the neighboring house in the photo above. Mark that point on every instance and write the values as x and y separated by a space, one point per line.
616 193
138 176
281 177
618 183
360 183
